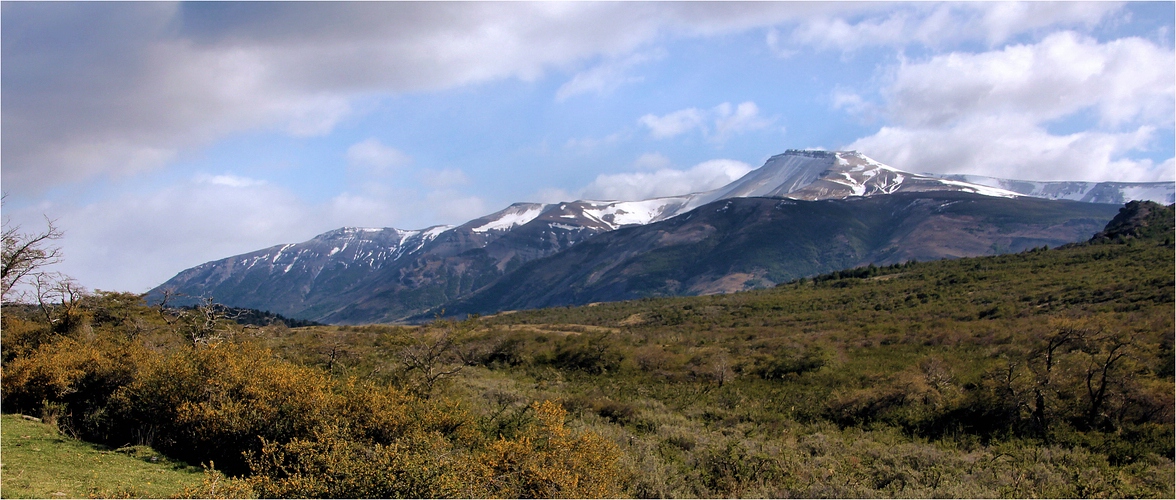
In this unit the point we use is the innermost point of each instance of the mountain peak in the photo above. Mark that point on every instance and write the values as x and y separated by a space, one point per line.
814 153
808 174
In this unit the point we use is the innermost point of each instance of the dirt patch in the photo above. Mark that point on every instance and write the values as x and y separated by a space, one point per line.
633 320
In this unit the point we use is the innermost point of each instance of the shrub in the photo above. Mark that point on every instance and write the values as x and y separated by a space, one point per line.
794 361
215 403
548 460
333 464
74 380
588 353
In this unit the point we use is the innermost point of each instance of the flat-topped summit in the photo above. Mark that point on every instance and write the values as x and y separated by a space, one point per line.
805 174
812 153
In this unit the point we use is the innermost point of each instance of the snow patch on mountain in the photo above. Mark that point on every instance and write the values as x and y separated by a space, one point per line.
1159 192
514 215
618 214
1090 192
981 189
435 231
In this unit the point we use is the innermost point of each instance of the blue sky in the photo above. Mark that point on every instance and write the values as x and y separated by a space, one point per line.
163 135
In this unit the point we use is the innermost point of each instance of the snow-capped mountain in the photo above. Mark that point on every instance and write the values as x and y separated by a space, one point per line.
796 174
1116 193
387 274
742 243
289 273
820 175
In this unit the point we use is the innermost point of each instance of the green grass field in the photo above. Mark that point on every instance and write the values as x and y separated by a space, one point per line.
40 462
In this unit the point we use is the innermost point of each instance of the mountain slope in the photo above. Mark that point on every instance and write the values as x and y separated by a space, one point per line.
284 278
819 175
370 275
366 274
738 244
1115 193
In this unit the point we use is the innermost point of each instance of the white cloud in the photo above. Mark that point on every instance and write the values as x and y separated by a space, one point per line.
455 206
604 77
100 89
938 25
744 118
852 103
375 156
1122 80
136 241
1012 146
552 195
314 115
705 176
990 112
652 161
673 124
717 124
228 180
592 143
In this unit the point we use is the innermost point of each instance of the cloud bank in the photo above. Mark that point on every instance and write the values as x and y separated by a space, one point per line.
991 112
716 124
631 186
117 89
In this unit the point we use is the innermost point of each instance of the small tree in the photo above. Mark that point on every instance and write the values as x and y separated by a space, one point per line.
434 355
25 255
59 298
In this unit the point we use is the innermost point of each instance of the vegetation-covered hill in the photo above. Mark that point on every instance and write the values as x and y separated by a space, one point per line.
1043 373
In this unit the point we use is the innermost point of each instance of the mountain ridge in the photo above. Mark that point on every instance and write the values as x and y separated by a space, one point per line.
745 243
389 274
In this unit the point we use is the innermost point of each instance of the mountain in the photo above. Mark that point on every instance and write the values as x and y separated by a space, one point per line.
388 274
290 279
1115 193
744 243
352 275
819 175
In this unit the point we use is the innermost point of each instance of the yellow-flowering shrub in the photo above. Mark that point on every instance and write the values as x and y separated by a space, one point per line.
548 460
332 464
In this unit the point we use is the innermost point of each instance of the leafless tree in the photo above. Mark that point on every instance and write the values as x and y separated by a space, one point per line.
433 356
1042 362
58 297
25 255
201 325
1106 354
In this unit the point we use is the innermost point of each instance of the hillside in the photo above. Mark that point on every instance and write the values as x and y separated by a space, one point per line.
1043 373
746 243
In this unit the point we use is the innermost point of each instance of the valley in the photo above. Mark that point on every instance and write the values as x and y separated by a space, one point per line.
588 250
1046 372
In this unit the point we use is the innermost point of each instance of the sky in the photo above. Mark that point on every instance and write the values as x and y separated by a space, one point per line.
159 136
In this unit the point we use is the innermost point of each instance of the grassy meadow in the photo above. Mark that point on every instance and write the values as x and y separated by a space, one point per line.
1047 373
40 462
